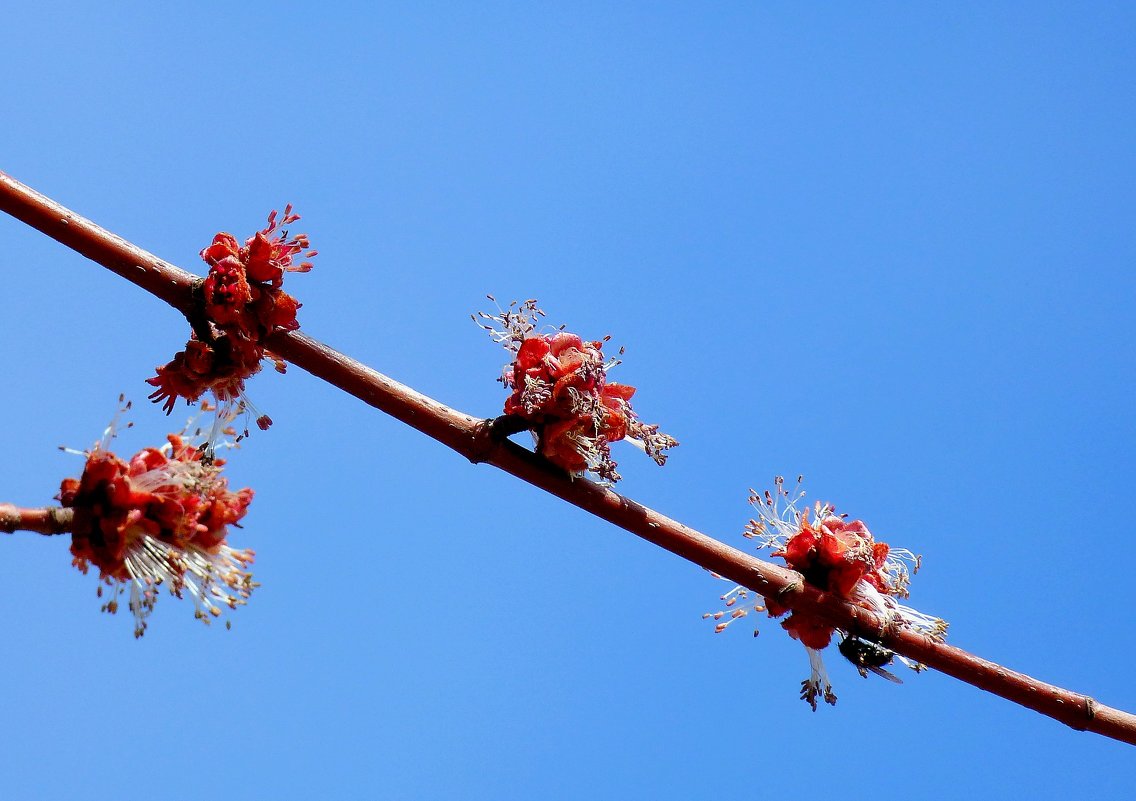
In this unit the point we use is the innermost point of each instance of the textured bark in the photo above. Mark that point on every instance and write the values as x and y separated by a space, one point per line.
48 520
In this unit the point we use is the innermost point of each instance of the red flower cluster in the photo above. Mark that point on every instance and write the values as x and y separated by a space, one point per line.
834 555
243 303
161 517
559 386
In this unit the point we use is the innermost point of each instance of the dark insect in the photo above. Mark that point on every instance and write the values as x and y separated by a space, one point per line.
868 656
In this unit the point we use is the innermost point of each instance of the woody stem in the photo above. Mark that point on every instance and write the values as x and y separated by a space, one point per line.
480 441
47 520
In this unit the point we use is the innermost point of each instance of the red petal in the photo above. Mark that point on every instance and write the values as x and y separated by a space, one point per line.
223 245
563 341
619 391
532 352
810 631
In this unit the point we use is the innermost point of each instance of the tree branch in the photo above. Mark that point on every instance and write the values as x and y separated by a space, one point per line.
480 441
48 520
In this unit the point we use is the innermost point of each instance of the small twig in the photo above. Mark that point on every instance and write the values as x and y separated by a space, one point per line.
48 520
468 436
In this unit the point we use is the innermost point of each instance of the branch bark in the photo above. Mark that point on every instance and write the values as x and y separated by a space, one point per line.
47 520
477 440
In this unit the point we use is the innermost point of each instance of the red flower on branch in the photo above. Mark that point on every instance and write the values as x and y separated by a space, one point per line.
835 555
560 388
160 518
242 303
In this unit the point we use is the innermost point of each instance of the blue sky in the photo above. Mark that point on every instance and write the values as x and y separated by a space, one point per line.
888 247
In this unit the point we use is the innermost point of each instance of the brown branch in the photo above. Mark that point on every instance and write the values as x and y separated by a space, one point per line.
481 441
48 520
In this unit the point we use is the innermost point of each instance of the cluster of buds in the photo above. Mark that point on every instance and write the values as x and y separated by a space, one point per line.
559 388
160 518
835 555
241 304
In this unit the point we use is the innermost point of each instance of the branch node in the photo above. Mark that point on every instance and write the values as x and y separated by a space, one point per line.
490 433
59 521
196 316
795 585
1090 712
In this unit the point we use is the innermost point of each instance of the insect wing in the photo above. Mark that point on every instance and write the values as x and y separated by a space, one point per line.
887 674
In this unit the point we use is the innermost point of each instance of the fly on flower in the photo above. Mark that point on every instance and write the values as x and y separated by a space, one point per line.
159 518
835 555
559 387
868 657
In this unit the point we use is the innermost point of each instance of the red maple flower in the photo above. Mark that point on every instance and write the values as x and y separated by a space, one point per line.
243 303
559 386
160 518
835 555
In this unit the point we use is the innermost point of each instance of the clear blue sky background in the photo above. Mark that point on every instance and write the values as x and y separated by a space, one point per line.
889 247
